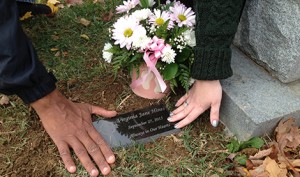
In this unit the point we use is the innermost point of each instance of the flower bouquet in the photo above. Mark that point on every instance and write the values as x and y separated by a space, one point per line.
160 36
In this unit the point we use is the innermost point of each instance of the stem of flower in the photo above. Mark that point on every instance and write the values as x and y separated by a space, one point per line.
158 3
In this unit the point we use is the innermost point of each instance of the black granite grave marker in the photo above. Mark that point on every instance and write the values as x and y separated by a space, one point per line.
139 126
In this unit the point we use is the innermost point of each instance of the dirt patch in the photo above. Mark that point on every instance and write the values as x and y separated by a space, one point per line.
31 154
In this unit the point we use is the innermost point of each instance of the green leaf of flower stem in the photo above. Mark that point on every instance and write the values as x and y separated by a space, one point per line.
254 142
136 57
173 85
170 71
162 31
144 3
184 76
184 55
233 146
241 159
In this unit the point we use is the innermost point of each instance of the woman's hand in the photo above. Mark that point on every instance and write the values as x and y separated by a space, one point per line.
202 96
70 126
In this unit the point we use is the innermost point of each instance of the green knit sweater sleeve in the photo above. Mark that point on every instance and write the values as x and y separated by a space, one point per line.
216 25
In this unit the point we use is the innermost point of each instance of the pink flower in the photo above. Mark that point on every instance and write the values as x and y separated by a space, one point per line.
182 15
127 6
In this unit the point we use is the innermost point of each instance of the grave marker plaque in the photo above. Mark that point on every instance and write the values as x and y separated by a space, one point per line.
139 126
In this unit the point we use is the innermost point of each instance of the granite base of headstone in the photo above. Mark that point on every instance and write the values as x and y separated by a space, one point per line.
136 127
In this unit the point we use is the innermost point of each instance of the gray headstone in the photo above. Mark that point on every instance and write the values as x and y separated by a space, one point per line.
269 32
254 102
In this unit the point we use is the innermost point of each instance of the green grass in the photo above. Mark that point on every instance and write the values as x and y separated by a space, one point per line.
194 152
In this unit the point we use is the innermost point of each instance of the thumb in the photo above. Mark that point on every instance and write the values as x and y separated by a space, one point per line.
214 115
102 112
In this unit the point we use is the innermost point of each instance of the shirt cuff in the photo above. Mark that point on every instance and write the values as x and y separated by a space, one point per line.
211 63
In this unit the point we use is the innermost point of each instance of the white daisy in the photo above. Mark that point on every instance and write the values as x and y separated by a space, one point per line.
127 6
142 14
168 54
182 15
160 17
141 42
126 30
106 55
189 37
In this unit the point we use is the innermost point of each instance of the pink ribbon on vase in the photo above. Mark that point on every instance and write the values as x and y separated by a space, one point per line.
152 53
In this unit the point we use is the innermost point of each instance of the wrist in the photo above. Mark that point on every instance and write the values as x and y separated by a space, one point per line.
47 101
207 81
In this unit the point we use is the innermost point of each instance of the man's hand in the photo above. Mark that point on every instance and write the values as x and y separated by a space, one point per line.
70 126
202 96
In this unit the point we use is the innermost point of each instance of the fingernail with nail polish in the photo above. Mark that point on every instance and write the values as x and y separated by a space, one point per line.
215 123
171 114
169 119
176 126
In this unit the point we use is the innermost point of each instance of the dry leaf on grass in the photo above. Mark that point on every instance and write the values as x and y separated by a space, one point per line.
259 171
275 161
261 154
4 100
287 134
54 49
84 22
296 163
243 171
84 36
108 16
274 169
74 2
100 1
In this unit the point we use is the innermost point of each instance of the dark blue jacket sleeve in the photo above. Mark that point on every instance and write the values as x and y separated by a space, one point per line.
21 72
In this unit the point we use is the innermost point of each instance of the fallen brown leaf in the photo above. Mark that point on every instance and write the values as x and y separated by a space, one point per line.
259 171
231 156
261 154
249 164
243 171
54 49
257 162
287 134
108 16
57 54
84 36
4 100
296 162
74 2
65 53
98 1
273 168
282 159
55 37
84 22
249 151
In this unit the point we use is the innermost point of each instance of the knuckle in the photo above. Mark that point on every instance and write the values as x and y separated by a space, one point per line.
79 151
100 142
93 148
89 165
63 152
81 133
103 162
68 161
